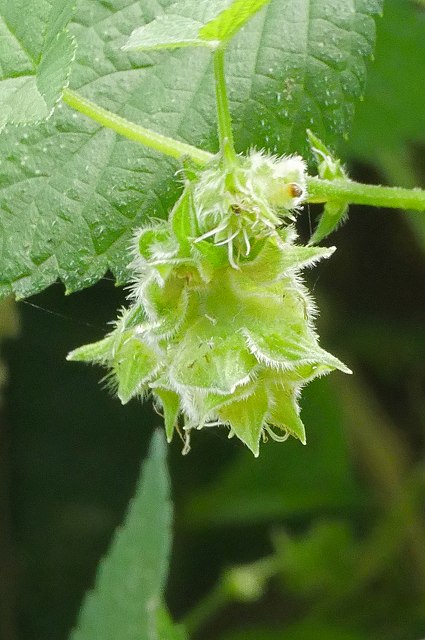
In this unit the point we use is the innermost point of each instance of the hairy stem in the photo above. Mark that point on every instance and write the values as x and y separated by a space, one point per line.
132 131
319 190
225 131
398 167
368 194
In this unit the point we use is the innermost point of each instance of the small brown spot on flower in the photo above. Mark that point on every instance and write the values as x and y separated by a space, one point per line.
295 190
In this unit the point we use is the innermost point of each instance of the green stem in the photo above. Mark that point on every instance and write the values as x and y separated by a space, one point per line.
208 607
225 131
398 167
368 194
319 190
245 583
147 137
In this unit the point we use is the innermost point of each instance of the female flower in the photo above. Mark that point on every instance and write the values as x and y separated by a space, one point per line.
220 326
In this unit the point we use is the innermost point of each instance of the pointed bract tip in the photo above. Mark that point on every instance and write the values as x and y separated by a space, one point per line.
73 356
123 399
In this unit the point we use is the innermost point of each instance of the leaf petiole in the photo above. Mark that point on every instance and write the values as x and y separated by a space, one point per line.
225 131
132 131
374 195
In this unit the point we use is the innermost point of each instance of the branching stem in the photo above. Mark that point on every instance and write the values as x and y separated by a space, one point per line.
319 190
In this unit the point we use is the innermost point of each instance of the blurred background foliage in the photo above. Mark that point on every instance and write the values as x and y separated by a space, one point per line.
324 541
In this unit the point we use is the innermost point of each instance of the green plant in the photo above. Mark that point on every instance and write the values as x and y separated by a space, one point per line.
220 326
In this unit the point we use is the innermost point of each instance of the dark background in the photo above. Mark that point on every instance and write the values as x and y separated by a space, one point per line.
347 509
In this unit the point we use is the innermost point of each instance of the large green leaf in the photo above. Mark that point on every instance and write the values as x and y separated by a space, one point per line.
36 53
130 583
312 629
71 193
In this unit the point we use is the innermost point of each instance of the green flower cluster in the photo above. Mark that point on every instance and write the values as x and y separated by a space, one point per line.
219 329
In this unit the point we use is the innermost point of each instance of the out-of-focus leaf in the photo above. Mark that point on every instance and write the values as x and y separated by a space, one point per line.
320 561
9 326
9 321
130 581
392 112
166 629
288 479
309 630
